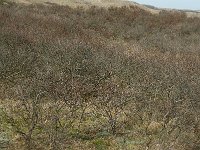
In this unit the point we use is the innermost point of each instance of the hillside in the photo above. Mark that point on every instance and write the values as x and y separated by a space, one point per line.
101 78
103 3
86 3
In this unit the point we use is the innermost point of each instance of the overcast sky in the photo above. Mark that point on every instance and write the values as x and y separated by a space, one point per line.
178 4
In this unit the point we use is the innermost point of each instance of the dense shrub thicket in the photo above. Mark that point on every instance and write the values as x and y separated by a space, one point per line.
116 78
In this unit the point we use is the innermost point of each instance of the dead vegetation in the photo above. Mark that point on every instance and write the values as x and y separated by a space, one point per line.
115 78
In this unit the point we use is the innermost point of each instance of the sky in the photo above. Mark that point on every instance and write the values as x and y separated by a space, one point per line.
178 4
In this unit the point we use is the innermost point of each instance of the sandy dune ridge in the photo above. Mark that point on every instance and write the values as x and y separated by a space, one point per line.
101 3
87 3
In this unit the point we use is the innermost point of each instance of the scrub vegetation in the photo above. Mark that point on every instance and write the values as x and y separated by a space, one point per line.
117 78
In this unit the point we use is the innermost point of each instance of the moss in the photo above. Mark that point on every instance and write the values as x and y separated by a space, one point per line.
101 144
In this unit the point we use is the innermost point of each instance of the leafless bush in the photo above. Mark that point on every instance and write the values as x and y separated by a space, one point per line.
61 68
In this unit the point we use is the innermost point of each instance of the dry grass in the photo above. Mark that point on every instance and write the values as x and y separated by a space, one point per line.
100 3
84 3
